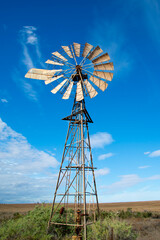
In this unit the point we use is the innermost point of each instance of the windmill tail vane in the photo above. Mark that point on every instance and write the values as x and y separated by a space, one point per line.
76 71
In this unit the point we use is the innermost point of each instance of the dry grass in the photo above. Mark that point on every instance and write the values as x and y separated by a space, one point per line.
153 206
148 229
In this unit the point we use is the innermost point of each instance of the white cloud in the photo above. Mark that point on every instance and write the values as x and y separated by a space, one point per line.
4 100
125 182
31 37
102 172
15 148
29 42
146 153
155 177
142 167
141 194
100 139
104 156
23 168
155 154
31 55
23 83
27 58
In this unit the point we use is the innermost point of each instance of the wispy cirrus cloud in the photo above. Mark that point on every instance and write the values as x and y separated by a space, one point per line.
24 84
102 172
140 194
30 56
100 139
128 181
125 182
105 156
153 154
30 45
3 100
143 167
21 164
146 153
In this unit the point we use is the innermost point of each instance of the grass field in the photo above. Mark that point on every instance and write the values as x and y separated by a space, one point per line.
147 228
153 206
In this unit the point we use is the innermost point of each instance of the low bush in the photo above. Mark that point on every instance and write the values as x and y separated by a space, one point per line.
102 230
33 226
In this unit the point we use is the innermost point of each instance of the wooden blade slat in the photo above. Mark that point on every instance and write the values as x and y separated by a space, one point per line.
57 54
37 76
67 50
103 58
92 92
106 75
104 66
57 88
95 53
99 83
87 49
44 71
79 92
54 63
77 49
53 79
67 93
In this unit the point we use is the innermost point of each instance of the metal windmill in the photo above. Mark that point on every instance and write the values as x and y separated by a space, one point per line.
80 71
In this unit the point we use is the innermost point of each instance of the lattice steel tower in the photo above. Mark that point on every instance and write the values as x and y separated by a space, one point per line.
77 68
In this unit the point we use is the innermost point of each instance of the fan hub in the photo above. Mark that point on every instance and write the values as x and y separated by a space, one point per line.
78 68
79 75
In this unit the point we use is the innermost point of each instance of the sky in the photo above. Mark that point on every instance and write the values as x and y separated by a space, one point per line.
125 135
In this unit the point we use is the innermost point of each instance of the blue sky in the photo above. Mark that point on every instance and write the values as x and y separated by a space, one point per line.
125 134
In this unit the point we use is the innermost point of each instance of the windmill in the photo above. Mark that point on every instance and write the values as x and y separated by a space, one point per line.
76 71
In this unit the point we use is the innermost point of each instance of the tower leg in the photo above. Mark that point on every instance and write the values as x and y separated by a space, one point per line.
83 164
94 180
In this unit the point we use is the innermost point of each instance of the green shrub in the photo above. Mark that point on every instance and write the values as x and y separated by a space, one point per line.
105 214
33 226
30 227
101 230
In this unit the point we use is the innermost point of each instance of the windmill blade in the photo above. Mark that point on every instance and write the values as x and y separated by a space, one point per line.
57 54
79 92
54 63
99 83
103 58
67 50
53 79
67 93
92 92
106 75
37 76
87 49
95 53
104 66
77 49
44 71
56 89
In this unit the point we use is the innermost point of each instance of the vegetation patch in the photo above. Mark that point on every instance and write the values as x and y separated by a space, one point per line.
33 226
